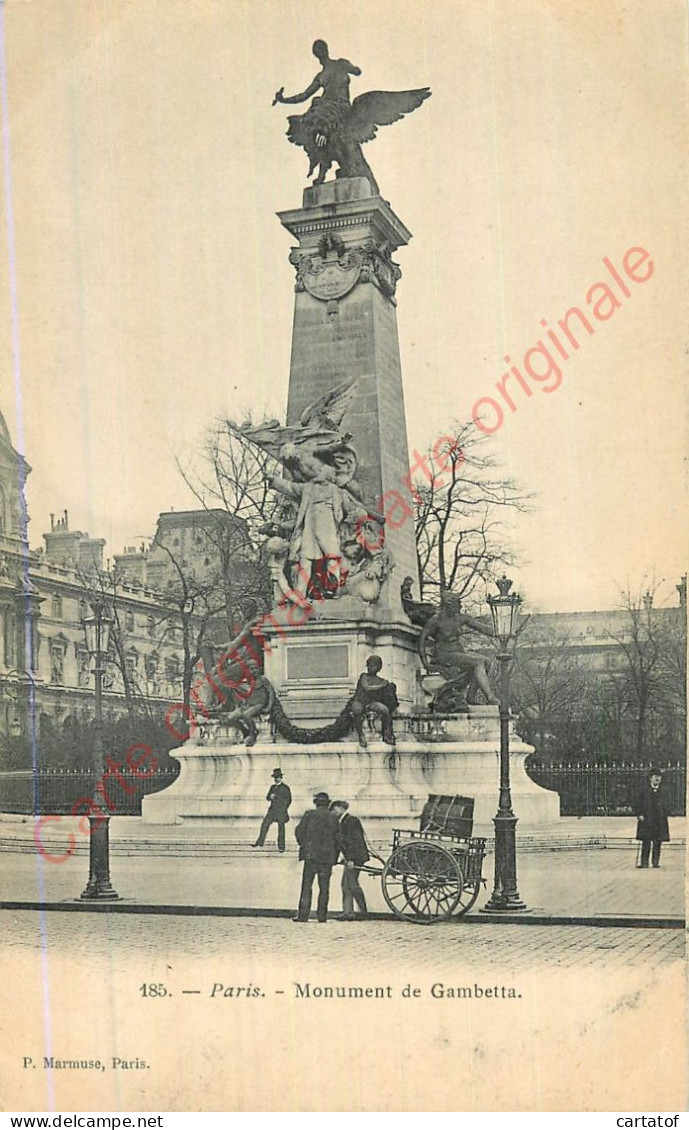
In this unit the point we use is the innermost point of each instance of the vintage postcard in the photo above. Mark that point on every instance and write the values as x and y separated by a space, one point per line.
343 556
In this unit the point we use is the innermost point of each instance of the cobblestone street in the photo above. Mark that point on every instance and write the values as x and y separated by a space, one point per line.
454 944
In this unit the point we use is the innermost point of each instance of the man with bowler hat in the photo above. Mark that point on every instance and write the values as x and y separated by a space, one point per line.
319 838
652 824
279 799
355 852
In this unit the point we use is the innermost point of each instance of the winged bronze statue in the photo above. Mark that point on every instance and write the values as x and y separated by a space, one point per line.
333 128
318 435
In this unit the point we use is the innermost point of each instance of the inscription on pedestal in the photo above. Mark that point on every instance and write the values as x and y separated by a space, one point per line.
317 661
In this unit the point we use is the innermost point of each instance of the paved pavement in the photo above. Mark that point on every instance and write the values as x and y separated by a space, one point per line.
438 950
584 882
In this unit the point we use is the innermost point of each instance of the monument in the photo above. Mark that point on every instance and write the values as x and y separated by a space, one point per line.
329 682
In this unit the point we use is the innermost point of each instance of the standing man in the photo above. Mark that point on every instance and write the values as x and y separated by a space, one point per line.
319 838
355 852
652 825
279 799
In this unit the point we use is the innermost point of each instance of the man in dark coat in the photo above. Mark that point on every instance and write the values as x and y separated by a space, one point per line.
279 799
652 825
355 852
319 838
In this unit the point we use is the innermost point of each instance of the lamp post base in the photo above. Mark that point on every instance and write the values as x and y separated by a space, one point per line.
99 886
505 897
100 892
504 906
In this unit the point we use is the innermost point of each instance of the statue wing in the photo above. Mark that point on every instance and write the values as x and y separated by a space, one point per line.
270 436
382 108
328 411
301 132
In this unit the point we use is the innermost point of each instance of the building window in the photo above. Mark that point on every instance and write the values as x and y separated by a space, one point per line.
129 621
10 638
57 664
151 625
57 607
83 667
151 665
130 661
172 668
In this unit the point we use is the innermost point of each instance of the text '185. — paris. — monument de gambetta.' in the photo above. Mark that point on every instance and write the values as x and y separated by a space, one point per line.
345 682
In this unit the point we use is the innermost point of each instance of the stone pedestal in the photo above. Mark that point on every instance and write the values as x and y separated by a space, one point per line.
386 788
314 667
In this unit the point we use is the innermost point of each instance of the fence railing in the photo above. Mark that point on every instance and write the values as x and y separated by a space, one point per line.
585 788
593 789
55 792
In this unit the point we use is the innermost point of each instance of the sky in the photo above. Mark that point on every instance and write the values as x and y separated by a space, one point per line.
145 287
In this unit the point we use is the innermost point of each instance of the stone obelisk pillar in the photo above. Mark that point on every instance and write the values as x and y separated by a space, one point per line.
345 328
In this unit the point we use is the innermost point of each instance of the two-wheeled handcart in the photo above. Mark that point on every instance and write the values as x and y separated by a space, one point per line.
434 873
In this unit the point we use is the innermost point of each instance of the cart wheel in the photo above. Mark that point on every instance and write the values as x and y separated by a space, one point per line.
467 898
422 882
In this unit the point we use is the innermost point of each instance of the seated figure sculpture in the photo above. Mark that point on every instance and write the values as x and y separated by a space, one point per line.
376 695
464 671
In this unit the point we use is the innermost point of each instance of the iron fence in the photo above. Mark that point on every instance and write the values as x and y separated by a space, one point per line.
56 792
595 789
585 788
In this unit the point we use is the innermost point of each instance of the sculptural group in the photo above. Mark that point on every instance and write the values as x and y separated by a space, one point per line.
321 541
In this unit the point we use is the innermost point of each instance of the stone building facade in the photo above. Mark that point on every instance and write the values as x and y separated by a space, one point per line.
45 668
594 638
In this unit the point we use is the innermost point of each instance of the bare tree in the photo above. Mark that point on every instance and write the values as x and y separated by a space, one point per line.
652 643
232 478
672 628
462 510
547 685
104 585
191 606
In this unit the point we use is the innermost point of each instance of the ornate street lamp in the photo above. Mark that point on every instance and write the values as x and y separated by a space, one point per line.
505 612
97 631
